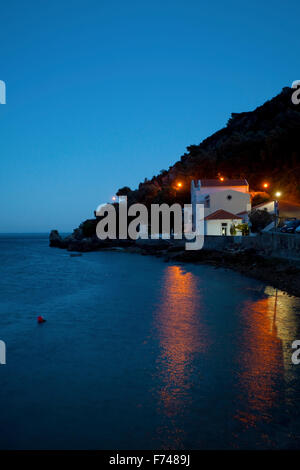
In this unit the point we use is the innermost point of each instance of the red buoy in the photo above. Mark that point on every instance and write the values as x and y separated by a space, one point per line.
40 319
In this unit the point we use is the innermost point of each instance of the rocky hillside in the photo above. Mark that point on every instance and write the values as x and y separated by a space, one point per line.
260 145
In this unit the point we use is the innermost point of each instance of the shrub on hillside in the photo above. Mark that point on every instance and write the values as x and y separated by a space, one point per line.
259 220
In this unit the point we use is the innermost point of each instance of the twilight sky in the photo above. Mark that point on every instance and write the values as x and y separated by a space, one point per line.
101 94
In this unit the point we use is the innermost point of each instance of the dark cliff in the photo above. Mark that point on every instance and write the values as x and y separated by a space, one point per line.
260 145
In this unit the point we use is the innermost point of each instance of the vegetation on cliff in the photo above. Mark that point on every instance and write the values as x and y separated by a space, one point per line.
260 145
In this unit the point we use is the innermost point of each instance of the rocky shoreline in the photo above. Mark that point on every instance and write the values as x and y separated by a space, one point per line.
280 273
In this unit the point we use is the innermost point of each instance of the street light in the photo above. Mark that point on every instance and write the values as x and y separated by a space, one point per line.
266 185
179 185
277 195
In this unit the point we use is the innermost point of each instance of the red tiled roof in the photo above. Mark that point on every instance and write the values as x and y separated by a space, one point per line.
225 183
221 214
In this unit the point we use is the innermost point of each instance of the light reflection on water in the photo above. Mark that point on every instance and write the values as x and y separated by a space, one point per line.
264 371
179 341
261 363
258 401
139 354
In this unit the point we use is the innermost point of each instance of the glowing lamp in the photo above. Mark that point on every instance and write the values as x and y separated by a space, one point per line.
179 185
278 194
266 185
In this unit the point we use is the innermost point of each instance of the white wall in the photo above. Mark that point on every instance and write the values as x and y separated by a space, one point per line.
268 206
214 227
229 200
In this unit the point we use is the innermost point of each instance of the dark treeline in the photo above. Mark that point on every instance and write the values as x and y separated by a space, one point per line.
259 145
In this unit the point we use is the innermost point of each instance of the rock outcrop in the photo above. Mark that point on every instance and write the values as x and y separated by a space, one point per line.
55 240
77 242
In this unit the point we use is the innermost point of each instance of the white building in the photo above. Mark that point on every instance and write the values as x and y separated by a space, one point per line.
226 203
220 222
269 206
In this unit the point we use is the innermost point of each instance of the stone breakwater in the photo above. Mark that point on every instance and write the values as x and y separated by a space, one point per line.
252 256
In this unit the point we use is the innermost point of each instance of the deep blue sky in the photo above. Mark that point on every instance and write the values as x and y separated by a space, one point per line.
101 94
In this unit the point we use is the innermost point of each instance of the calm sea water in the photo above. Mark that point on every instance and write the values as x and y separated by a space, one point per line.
140 354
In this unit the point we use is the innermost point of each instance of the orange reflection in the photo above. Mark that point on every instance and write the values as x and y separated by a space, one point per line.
180 338
261 363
